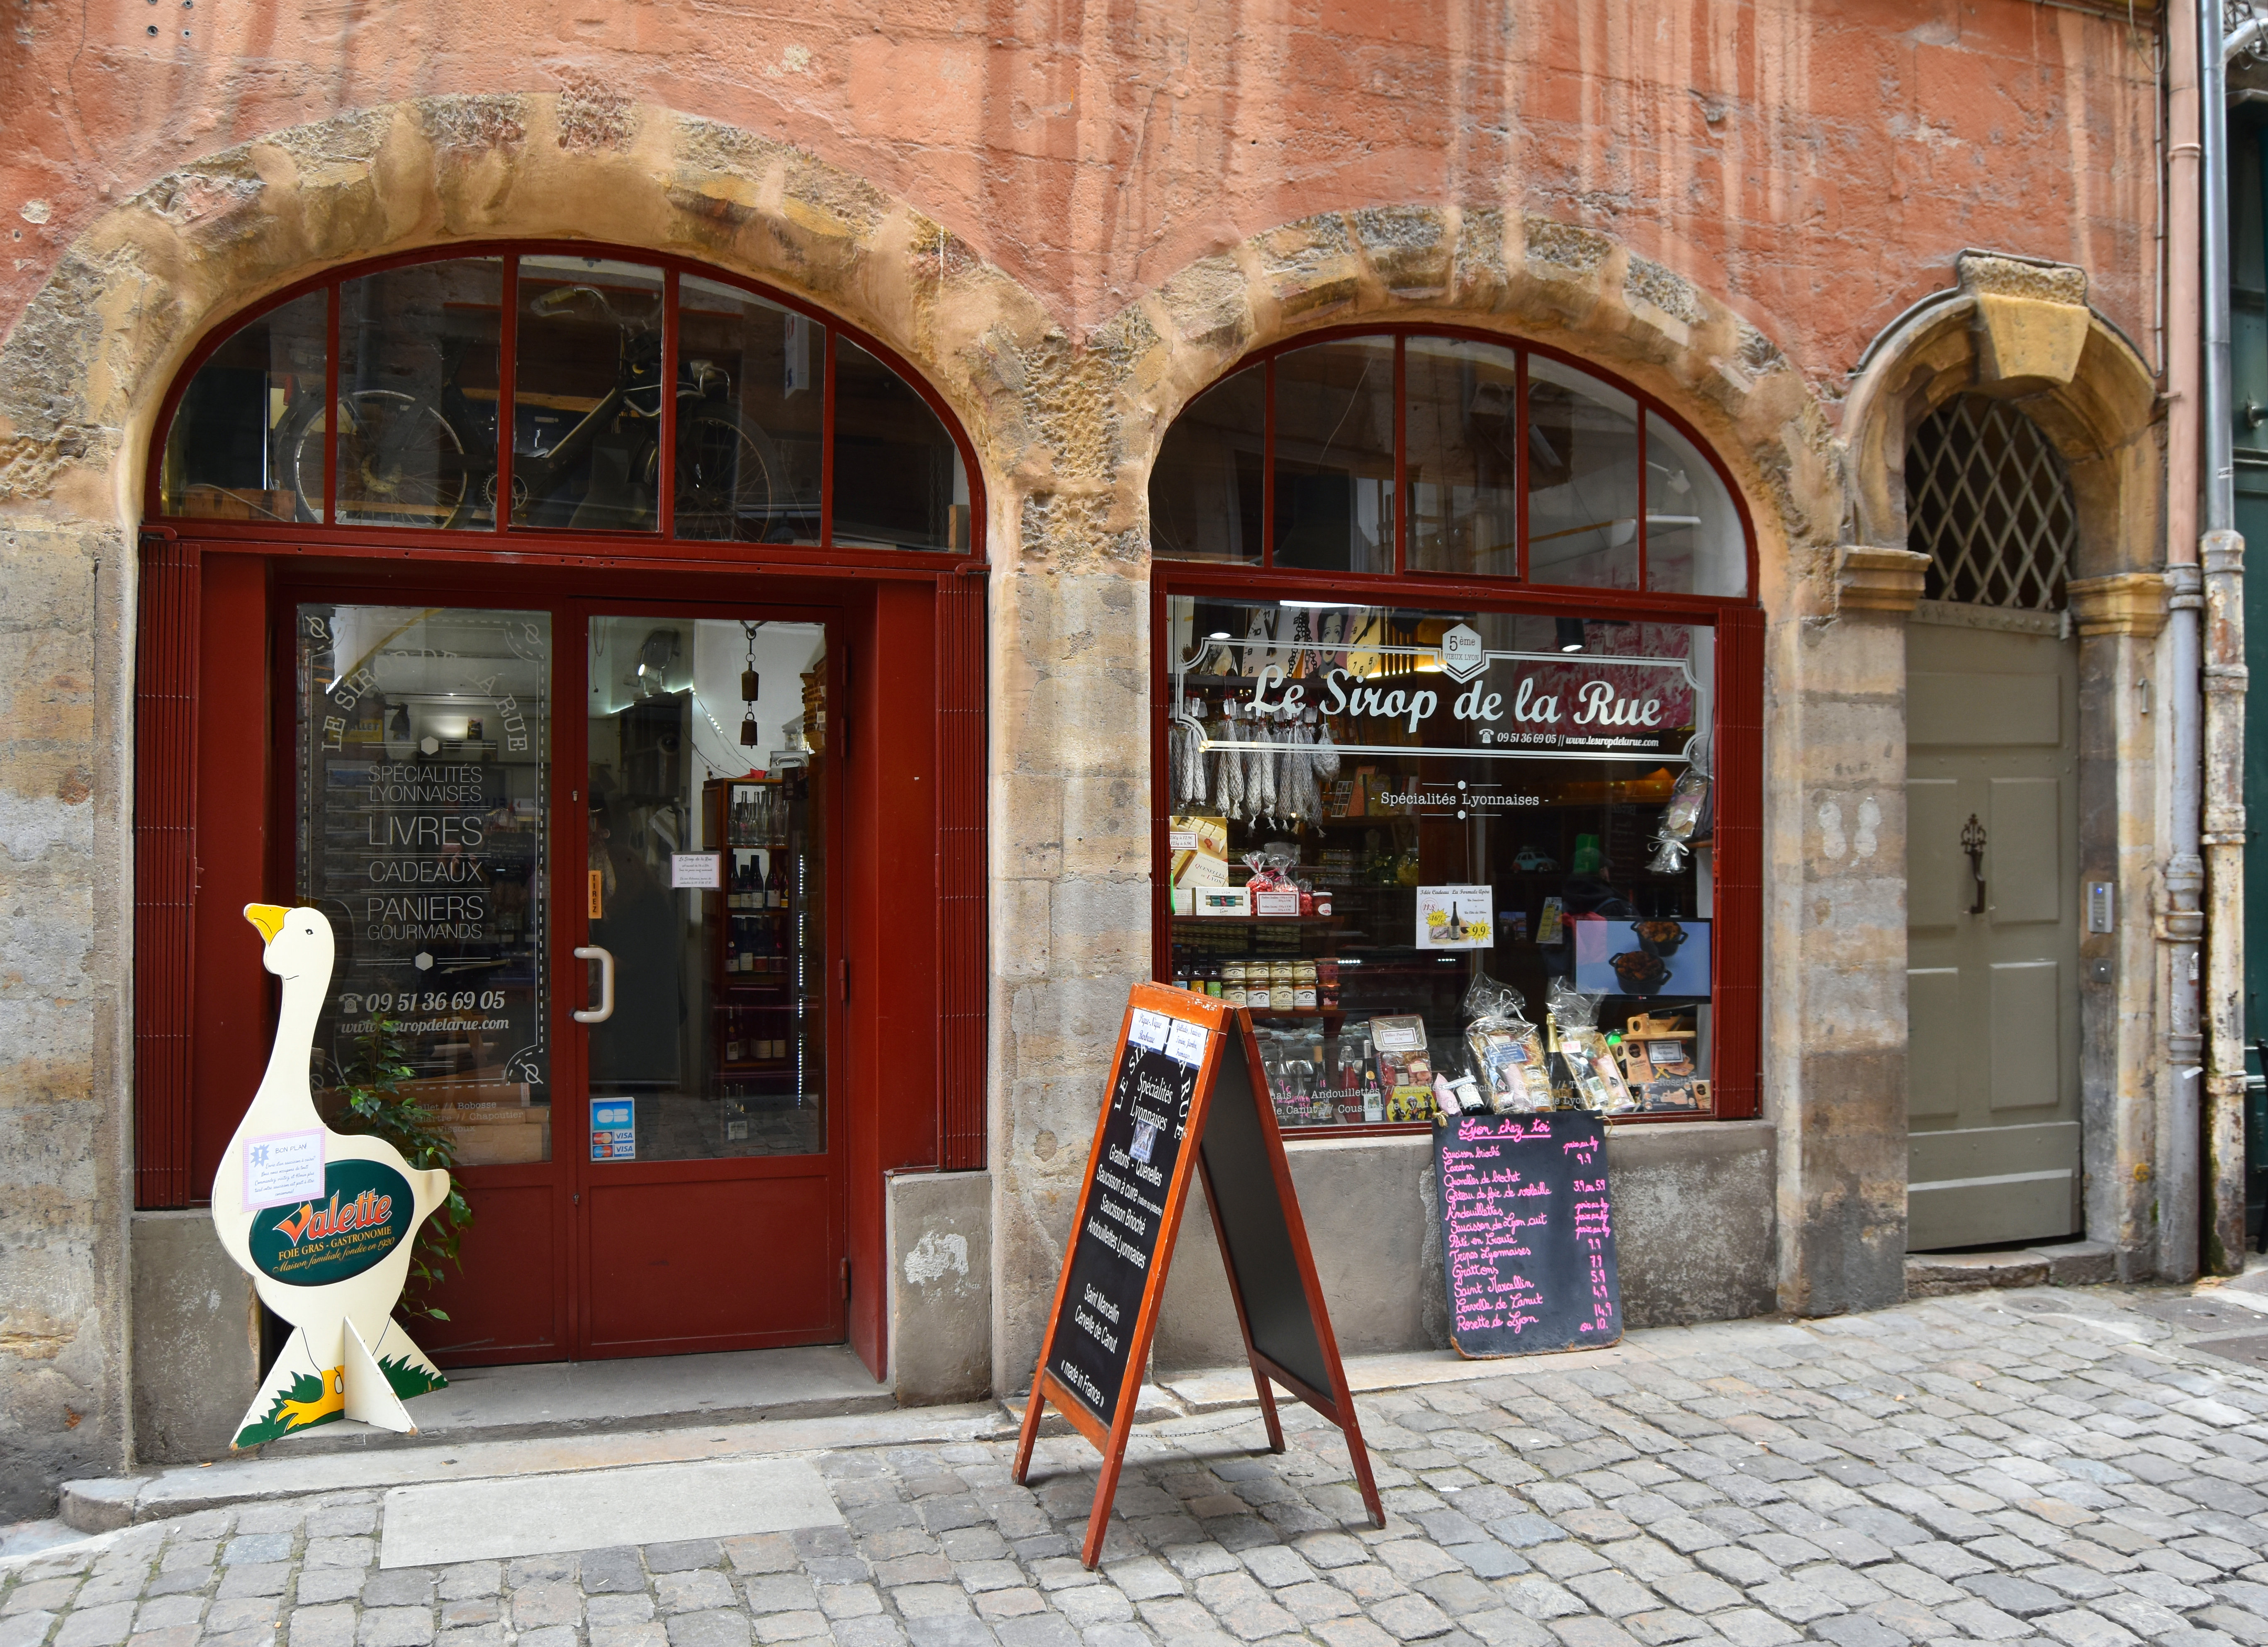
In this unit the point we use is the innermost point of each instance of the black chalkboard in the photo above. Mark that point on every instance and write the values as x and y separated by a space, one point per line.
1114 1245
1527 1236
1255 1235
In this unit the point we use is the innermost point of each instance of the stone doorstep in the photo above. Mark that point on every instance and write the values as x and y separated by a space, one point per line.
549 1401
108 1503
565 1397
2068 1264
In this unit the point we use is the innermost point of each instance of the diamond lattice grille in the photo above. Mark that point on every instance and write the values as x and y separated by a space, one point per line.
1989 502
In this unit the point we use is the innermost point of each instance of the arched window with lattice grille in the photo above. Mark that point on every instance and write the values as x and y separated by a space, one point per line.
1989 501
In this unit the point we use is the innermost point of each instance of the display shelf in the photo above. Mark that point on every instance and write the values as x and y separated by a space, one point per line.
1258 920
761 826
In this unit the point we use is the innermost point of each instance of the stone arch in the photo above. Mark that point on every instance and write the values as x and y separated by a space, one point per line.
1527 276
2020 331
85 369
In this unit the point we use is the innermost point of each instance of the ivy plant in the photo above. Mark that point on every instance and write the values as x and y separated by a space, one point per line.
377 1105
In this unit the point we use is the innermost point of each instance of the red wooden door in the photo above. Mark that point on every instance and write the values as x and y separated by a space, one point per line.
480 790
703 1137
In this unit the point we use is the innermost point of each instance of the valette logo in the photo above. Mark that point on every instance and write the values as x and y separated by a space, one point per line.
363 1218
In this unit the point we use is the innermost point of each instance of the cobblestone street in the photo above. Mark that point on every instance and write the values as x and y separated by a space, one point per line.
2044 1465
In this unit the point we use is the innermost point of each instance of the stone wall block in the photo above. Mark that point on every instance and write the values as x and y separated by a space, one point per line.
1107 827
1066 1022
1021 925
1103 924
1027 811
1850 1234
62 1124
1307 270
1209 309
1412 250
1483 270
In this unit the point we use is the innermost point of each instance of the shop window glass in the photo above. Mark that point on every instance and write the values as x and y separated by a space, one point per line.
1462 430
1334 456
751 396
899 480
1440 797
1693 544
1205 492
425 739
586 395
418 395
1582 479
234 452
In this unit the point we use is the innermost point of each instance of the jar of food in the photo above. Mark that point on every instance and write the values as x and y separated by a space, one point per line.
1232 983
1327 983
1303 985
1213 985
1281 997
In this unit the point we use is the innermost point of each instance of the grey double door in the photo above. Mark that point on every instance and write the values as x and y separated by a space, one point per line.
1992 937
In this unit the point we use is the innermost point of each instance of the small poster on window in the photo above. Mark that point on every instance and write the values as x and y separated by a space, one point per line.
1456 918
1651 957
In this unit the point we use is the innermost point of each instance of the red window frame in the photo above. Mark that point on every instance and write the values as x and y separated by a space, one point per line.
179 603
1737 741
504 535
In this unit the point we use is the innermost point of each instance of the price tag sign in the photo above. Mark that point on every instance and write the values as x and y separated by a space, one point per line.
1185 1042
283 1168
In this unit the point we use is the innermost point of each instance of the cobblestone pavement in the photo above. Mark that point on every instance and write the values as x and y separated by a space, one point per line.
2000 1467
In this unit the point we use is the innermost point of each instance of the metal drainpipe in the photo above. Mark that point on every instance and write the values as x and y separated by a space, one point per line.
2221 551
2180 920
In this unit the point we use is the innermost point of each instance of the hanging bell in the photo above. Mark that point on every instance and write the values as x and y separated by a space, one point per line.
748 731
748 685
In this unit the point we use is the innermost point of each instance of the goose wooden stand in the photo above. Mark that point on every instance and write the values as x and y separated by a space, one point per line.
332 1264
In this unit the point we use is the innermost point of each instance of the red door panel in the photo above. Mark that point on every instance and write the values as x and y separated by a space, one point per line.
744 1261
503 1306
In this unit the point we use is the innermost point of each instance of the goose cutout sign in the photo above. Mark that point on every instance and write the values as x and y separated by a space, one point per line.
324 1224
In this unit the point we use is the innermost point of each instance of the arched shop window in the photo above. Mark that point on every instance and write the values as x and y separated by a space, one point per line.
414 395
1458 733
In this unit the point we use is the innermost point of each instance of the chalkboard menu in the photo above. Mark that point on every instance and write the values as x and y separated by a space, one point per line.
423 779
1527 1232
1184 1097
1114 1246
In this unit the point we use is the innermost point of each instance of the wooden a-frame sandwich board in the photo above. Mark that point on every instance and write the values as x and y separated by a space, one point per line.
1187 1096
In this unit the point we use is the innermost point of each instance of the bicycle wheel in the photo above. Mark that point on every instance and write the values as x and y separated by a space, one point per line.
730 484
402 462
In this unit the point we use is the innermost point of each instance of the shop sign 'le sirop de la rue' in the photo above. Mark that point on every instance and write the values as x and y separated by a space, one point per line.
1507 705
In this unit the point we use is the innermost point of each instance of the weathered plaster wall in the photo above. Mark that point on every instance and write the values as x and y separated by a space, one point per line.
1807 161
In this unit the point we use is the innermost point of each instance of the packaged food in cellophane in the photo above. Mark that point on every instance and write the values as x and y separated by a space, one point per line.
1590 1063
1504 1052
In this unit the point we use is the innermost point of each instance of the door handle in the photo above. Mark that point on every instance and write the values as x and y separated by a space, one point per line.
1972 843
605 959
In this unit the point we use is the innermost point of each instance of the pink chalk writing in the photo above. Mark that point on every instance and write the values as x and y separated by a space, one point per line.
1514 1218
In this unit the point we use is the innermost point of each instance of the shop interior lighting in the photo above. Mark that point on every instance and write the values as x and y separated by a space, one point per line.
1571 635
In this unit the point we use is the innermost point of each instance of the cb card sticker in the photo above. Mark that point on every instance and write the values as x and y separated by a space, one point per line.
614 1130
